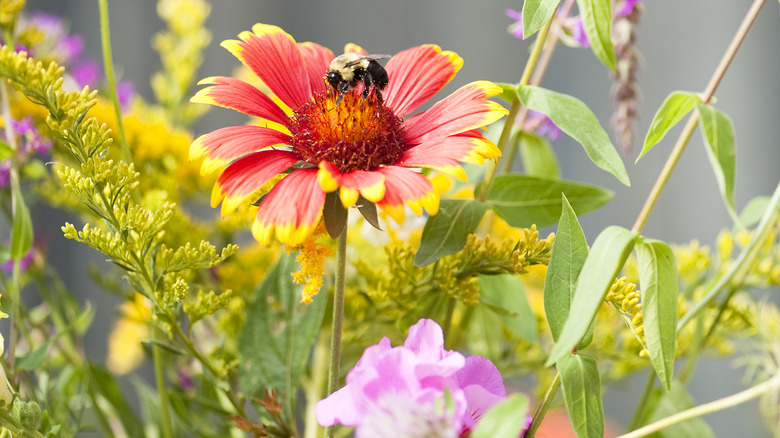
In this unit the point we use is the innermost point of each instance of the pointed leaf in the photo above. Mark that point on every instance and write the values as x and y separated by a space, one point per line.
536 13
446 233
569 252
674 108
752 212
509 92
582 394
597 22
6 151
523 200
21 228
506 292
606 258
538 156
658 280
276 341
504 420
575 119
718 133
104 384
334 215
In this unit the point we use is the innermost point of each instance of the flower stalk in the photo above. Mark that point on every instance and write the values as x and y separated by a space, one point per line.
338 317
108 65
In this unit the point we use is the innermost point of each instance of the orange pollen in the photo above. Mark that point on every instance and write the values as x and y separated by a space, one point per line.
356 134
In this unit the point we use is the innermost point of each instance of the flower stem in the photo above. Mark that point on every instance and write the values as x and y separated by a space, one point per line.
708 408
157 356
636 420
338 316
514 109
108 66
541 411
685 136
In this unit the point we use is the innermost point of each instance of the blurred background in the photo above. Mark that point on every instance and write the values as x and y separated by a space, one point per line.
680 42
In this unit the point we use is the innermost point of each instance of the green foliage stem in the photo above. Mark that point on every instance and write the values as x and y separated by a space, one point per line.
108 65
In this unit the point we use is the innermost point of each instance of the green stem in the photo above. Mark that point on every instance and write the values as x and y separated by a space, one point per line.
338 317
108 65
636 420
744 260
541 411
514 109
448 319
718 405
687 132
162 390
313 387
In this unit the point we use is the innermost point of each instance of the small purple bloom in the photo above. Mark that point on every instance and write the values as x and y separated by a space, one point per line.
516 28
49 24
8 266
626 8
71 47
33 142
124 92
578 34
86 72
5 173
542 125
422 375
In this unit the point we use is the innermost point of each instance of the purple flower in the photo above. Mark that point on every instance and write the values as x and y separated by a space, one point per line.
516 28
578 33
33 142
5 173
49 24
124 92
392 388
626 8
8 266
86 72
71 47
542 125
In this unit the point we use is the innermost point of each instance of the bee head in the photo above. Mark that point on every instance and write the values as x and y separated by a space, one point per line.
333 78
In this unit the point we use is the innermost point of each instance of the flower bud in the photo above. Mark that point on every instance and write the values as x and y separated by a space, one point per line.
28 413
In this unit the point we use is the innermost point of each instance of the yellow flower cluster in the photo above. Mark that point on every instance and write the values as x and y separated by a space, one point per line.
628 302
312 254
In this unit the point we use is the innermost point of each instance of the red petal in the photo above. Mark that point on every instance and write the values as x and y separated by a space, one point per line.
273 56
443 154
416 74
238 95
317 59
464 110
406 187
248 174
293 208
227 144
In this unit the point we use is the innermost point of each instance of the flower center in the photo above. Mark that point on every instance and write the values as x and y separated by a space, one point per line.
356 134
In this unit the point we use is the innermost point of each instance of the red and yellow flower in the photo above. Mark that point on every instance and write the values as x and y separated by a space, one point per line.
360 147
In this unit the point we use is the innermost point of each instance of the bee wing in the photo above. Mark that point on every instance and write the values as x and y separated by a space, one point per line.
369 57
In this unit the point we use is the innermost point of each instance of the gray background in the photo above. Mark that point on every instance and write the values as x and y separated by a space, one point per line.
681 43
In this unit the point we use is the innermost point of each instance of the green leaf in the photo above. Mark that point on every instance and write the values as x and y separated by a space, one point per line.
105 385
674 108
718 133
35 358
658 280
536 13
484 335
523 200
576 119
606 258
752 212
597 22
538 156
569 252
22 229
510 91
276 340
582 394
6 151
507 293
672 402
504 420
447 231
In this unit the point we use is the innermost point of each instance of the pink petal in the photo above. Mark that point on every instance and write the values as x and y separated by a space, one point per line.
317 59
238 95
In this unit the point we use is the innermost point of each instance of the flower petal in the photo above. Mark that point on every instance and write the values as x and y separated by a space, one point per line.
271 53
317 59
238 95
465 109
354 48
406 187
370 184
416 74
248 174
443 154
292 209
227 144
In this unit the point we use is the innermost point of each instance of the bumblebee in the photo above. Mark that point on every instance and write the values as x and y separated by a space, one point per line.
349 69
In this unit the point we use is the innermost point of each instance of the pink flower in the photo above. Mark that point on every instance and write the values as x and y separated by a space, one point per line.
393 387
